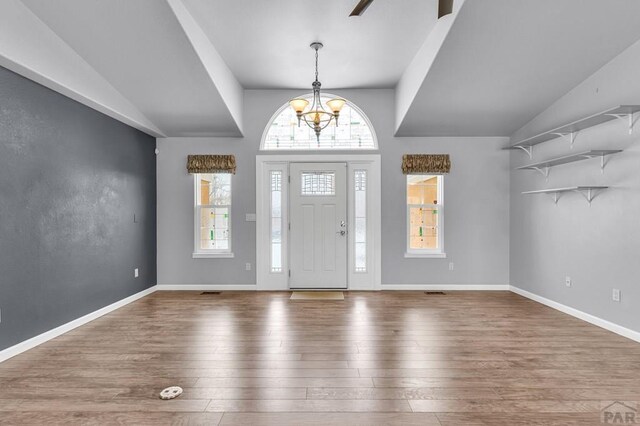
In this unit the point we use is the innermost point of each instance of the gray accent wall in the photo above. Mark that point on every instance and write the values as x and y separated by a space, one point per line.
71 181
476 201
596 246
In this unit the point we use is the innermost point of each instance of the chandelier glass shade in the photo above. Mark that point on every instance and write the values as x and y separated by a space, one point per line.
316 115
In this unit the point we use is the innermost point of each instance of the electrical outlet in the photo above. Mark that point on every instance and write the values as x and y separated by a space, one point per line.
567 281
451 266
615 295
136 273
247 266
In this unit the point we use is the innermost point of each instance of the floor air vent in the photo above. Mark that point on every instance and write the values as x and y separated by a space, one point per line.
433 293
209 292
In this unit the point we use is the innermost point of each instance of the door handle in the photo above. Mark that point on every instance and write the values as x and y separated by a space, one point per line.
342 233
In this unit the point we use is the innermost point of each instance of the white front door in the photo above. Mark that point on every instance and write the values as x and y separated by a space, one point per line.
318 220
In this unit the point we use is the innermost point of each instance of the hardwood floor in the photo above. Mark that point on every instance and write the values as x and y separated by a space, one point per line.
406 358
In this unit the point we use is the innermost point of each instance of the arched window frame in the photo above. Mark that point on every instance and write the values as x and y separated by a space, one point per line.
324 95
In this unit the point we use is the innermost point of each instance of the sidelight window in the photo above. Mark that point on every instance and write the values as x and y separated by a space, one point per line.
276 221
360 239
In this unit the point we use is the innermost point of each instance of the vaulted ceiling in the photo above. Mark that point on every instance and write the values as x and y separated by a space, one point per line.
266 43
180 67
503 61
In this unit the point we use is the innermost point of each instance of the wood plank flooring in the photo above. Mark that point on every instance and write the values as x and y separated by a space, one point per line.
245 358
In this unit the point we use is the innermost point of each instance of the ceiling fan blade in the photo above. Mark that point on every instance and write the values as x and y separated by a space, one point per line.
361 7
445 7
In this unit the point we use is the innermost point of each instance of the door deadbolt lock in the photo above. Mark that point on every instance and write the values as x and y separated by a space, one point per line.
342 233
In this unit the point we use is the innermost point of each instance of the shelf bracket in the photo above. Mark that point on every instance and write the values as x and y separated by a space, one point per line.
555 196
602 160
589 194
544 171
527 149
628 116
571 136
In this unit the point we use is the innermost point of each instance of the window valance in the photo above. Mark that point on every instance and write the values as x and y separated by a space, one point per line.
211 164
421 164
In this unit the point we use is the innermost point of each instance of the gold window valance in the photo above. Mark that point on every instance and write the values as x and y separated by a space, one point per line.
424 164
211 164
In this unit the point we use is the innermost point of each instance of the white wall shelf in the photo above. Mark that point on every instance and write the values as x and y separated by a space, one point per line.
588 192
543 167
569 131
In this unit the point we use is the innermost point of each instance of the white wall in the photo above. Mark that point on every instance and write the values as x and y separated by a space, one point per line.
476 197
596 246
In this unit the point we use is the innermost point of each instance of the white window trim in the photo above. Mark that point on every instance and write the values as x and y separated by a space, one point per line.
199 253
218 255
425 255
328 151
438 253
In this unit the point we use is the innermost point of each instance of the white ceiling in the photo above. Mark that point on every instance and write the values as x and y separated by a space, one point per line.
266 43
179 67
505 61
141 49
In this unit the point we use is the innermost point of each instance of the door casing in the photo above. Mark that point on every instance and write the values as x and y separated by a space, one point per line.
265 164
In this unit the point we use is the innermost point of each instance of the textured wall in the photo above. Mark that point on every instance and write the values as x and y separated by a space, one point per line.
71 180
596 246
476 201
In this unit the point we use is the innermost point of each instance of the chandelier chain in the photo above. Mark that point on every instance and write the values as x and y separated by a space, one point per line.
316 64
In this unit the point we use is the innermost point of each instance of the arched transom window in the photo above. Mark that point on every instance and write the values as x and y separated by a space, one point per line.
353 132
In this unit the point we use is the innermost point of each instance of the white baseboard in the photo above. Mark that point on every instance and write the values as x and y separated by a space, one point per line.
206 287
592 319
48 335
447 287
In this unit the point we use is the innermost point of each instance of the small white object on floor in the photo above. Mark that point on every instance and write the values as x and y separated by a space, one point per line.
317 295
171 392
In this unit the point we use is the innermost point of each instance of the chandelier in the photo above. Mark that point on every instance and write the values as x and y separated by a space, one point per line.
316 116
